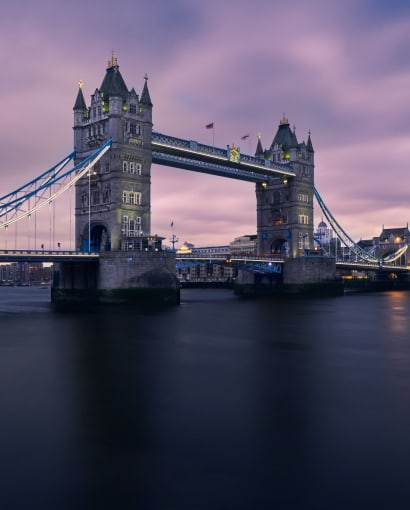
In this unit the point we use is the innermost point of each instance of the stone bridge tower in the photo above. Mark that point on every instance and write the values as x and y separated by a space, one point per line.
285 206
113 202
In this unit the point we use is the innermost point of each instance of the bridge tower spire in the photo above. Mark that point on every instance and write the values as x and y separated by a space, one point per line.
113 203
285 206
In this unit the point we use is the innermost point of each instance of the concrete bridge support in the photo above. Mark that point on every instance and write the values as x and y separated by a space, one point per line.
135 278
308 276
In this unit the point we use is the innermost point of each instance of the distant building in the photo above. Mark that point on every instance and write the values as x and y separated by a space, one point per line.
25 273
390 241
204 270
185 249
244 245
323 236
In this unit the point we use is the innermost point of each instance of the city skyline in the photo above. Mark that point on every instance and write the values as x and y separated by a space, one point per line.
336 70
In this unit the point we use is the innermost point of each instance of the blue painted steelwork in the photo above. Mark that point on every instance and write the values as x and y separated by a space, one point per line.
12 202
353 247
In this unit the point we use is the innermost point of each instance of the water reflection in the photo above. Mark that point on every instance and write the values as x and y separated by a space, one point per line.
218 403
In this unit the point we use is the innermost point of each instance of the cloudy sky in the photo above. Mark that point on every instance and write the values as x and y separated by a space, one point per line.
338 69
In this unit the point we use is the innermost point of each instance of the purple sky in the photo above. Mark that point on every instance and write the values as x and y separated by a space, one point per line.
339 69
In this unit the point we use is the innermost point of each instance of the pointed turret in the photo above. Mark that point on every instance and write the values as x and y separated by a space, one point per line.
259 153
80 114
80 102
145 97
309 145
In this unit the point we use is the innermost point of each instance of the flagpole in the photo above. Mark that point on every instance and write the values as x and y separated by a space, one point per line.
174 238
211 125
247 136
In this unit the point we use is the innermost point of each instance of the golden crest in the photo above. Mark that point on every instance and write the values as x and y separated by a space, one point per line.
234 154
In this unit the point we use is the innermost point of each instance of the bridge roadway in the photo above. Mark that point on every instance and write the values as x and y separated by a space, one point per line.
274 260
270 262
367 266
46 256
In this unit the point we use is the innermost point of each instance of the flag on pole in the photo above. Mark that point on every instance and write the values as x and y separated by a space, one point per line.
172 223
209 126
244 137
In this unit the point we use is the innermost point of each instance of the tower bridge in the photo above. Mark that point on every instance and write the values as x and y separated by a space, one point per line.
114 148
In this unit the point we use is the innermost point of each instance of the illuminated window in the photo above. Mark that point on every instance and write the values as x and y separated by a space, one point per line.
303 219
131 197
124 226
300 243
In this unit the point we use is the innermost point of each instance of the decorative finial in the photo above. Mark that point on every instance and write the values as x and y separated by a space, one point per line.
113 62
259 136
80 84
146 77
284 120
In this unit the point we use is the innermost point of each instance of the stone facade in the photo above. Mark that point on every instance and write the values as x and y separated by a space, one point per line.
285 206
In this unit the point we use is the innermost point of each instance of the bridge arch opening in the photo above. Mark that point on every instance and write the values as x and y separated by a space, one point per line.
280 246
99 238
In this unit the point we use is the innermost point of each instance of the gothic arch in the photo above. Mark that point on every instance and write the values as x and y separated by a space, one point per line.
99 237
280 246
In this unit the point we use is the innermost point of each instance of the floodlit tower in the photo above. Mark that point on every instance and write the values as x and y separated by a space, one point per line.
285 206
113 202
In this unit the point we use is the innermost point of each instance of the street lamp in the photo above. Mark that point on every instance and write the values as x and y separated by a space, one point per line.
89 210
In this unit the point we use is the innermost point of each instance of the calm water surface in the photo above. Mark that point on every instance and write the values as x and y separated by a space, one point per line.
216 404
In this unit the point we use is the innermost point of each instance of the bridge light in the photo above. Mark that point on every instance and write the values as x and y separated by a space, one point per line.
285 180
264 184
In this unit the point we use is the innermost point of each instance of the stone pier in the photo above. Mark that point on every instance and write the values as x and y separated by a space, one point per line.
134 277
304 276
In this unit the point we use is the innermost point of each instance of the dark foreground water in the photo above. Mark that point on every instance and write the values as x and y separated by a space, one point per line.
216 404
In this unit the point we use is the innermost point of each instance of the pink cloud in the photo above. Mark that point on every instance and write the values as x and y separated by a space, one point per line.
336 70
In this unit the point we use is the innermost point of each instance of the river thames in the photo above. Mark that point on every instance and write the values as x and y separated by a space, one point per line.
217 404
